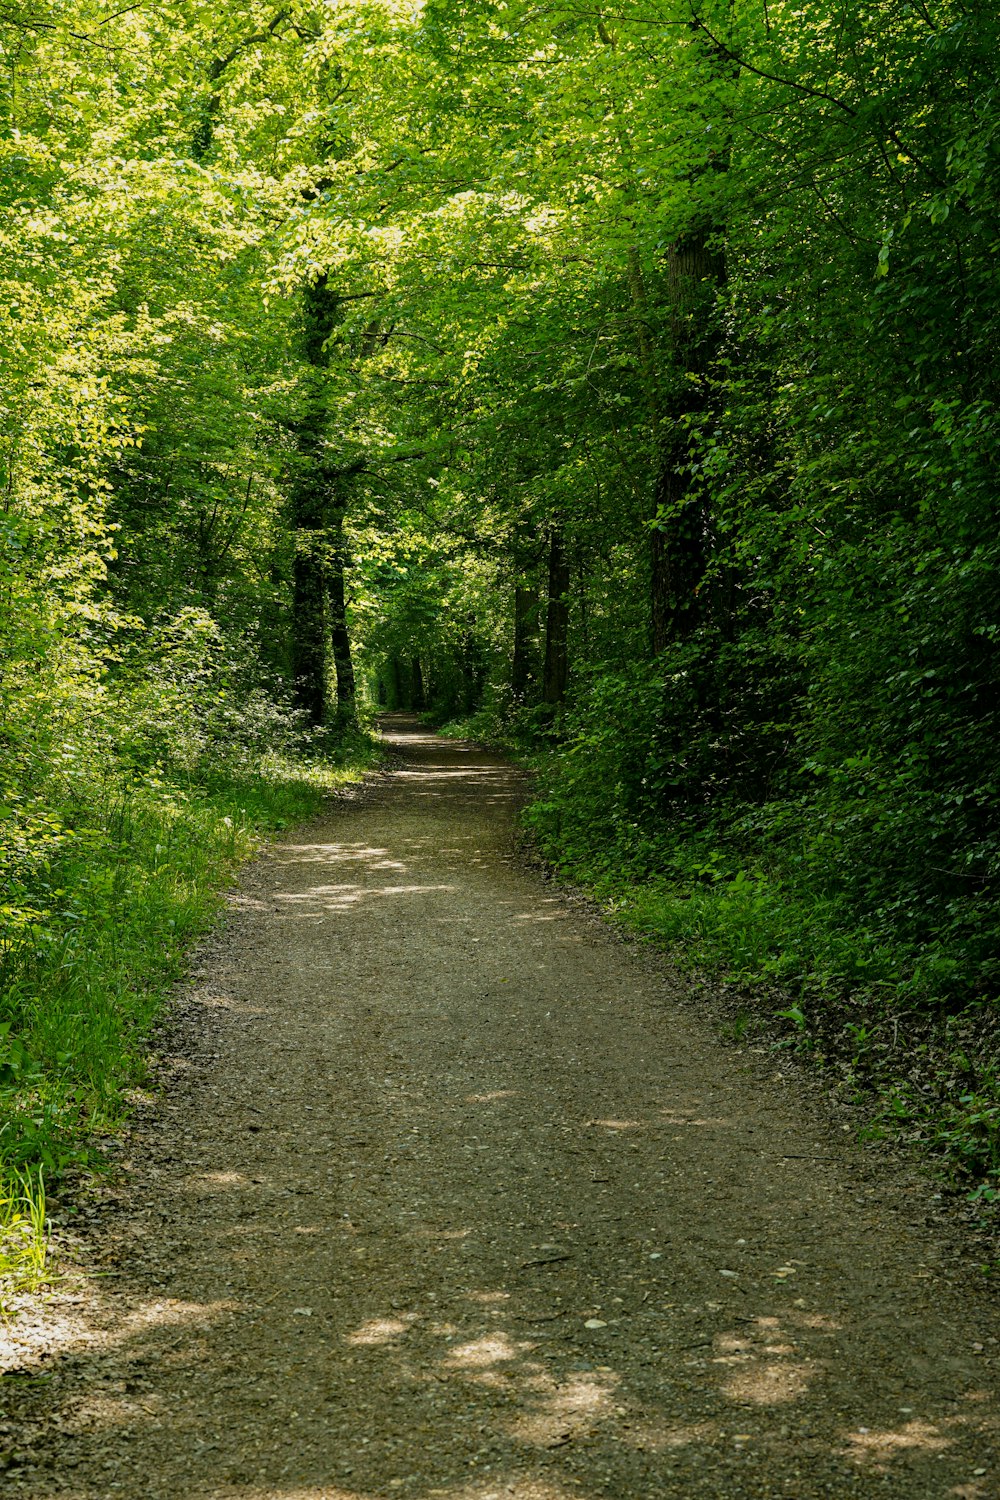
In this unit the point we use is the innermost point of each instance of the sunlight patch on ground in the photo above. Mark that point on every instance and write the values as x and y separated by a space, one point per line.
446 773
211 1180
508 1487
380 1330
685 1118
490 1098
767 1384
65 1334
877 1448
760 1364
482 1353
295 854
566 1410
262 1493
339 854
171 1313
342 897
818 1322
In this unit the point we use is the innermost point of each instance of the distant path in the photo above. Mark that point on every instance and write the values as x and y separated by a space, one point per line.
451 1198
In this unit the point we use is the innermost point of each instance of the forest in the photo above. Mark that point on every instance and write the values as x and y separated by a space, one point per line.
615 384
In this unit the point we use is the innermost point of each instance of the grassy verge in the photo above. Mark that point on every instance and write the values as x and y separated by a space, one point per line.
888 1019
799 976
92 947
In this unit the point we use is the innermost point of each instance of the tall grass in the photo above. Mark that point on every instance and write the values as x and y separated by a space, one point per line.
102 930
116 911
23 1240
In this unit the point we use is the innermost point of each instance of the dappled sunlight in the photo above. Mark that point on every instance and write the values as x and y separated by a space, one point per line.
437 1266
764 1365
67 1336
767 1383
877 1448
380 1330
566 1409
690 1117
330 854
337 898
335 854
509 1487
225 1002
431 1233
815 1322
221 1181
439 771
443 1331
481 1353
322 1493
173 1313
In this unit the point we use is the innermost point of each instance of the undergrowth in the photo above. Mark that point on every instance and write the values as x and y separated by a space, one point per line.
123 820
822 906
23 1239
842 997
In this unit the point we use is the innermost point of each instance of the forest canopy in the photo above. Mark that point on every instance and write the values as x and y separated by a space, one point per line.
621 379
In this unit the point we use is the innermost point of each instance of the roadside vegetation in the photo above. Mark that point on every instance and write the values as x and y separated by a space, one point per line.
128 822
620 381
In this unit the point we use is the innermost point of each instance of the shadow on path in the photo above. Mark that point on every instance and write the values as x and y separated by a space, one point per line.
449 1199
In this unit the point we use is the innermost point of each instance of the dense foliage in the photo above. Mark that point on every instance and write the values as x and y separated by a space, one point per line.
624 376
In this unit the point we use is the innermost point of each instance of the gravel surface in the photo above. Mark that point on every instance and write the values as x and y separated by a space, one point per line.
453 1193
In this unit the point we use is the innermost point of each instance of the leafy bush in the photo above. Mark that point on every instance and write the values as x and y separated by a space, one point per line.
128 804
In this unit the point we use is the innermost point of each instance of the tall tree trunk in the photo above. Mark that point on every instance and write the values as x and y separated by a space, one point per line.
340 639
680 531
308 578
397 684
311 493
417 700
556 672
678 525
524 663
308 653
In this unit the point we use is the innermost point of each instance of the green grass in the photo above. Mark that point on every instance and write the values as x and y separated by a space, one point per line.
806 977
101 933
23 1239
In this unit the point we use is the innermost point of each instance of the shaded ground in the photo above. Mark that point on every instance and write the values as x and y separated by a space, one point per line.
449 1196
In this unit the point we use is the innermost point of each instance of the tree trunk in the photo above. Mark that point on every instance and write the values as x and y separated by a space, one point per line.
680 533
311 493
417 701
397 685
524 663
308 579
308 653
340 639
556 671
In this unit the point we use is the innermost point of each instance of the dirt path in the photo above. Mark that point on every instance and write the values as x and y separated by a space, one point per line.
451 1198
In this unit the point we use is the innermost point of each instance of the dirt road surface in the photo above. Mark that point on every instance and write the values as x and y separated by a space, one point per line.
452 1195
